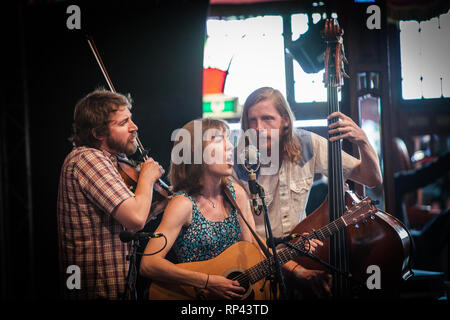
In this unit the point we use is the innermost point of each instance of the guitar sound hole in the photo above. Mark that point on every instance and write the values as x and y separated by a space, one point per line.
244 282
236 275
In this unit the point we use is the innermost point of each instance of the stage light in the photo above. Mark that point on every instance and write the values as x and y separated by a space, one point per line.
309 49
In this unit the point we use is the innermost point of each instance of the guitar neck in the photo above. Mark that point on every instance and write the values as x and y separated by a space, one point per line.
266 267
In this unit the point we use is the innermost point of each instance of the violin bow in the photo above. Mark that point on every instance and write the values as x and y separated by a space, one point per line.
90 41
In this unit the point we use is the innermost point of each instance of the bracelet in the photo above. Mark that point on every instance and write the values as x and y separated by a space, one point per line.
207 279
299 272
292 270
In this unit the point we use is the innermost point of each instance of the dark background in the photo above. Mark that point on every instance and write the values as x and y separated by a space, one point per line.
154 51
151 49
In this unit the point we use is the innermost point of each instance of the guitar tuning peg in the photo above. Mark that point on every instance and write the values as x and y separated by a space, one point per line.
363 218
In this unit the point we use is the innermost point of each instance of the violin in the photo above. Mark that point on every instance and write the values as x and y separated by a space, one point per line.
129 170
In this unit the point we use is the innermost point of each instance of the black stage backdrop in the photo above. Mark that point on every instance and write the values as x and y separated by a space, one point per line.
151 49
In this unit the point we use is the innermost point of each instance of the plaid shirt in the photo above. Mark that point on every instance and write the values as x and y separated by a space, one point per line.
90 188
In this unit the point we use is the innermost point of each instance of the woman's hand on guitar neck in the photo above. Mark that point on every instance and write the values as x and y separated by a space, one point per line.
225 288
312 244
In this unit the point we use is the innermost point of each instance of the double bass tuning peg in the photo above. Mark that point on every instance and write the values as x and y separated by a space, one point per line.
343 60
344 73
343 53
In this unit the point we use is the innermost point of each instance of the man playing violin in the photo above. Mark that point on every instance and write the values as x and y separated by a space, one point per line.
301 155
94 204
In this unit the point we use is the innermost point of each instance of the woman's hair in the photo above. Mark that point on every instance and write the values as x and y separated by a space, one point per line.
92 114
188 177
289 143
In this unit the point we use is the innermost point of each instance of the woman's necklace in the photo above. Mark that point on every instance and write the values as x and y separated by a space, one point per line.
212 203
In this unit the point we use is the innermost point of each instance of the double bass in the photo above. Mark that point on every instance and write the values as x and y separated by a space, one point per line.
379 243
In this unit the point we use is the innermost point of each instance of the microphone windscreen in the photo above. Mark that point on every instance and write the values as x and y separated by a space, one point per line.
249 158
126 236
251 154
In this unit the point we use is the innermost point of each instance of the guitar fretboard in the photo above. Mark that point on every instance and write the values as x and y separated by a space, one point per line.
266 267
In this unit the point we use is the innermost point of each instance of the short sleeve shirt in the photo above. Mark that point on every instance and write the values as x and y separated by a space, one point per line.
288 189
90 188
204 239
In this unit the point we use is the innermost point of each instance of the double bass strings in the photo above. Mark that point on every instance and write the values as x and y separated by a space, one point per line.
336 193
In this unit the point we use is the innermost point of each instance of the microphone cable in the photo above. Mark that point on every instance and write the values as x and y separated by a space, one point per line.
153 253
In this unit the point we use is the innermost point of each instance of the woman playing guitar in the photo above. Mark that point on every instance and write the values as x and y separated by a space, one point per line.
200 222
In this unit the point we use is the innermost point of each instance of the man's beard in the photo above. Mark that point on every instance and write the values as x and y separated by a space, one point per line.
127 148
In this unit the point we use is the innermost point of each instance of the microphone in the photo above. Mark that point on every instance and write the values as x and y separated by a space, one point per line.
250 161
127 236
253 187
287 238
250 157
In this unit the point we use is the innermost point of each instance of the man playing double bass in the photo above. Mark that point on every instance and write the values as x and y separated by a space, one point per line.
301 155
94 204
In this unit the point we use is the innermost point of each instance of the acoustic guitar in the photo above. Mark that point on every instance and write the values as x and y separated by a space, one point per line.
244 262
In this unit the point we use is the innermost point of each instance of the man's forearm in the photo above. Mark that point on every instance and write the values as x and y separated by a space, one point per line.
369 169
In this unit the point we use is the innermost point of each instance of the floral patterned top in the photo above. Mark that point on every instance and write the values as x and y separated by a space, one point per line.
204 239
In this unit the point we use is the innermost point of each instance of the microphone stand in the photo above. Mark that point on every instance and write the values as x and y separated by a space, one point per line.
325 264
313 257
271 243
130 287
256 189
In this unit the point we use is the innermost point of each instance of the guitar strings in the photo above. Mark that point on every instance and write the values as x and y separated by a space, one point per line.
267 264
